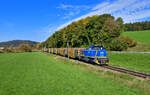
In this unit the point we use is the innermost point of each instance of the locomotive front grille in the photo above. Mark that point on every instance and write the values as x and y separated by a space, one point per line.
103 60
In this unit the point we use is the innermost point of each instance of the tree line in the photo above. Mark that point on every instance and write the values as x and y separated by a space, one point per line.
21 48
137 26
102 30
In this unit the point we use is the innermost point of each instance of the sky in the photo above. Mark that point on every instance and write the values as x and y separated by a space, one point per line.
36 20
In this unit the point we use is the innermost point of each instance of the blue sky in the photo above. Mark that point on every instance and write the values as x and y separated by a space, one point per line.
37 19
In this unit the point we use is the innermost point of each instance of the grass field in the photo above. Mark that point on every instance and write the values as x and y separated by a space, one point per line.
39 74
140 36
138 62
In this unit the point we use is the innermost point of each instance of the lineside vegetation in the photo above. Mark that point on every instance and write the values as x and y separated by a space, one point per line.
102 30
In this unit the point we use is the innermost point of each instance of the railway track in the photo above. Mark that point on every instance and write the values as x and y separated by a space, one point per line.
122 70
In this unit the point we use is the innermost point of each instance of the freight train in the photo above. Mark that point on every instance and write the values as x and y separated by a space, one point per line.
93 54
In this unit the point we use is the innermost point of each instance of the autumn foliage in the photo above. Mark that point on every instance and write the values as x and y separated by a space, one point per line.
102 30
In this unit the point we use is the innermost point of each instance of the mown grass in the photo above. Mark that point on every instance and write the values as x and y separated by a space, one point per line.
125 79
39 74
138 62
140 36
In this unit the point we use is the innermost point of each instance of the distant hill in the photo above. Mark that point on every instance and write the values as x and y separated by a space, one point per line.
16 43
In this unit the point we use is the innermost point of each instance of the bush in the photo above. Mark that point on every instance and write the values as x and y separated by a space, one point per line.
21 48
6 49
11 49
24 48
1 51
130 42
118 44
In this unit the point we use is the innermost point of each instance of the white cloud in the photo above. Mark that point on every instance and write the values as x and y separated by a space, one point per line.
63 6
136 16
140 5
67 7
70 14
49 29
134 12
72 10
100 5
129 10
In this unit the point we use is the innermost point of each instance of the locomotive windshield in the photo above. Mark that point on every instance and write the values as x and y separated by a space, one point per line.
97 47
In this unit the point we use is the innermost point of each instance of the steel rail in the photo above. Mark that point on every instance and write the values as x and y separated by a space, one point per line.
122 70
131 72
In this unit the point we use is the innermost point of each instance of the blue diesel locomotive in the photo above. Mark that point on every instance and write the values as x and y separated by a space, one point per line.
95 54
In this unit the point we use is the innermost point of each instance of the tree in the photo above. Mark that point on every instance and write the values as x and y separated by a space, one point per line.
25 48
137 26
121 23
95 30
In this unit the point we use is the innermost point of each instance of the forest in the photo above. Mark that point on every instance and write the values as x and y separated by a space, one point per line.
137 26
102 30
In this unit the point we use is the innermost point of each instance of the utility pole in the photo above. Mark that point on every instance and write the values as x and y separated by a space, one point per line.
68 48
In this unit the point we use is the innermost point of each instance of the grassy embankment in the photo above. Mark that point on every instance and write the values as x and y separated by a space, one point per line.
143 39
138 62
39 74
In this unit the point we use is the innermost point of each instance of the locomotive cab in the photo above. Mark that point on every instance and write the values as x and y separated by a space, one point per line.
97 54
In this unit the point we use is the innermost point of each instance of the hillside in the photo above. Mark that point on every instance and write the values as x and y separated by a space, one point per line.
17 43
140 36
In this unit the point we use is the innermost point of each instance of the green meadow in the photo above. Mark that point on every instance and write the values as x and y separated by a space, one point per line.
140 36
40 74
137 62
